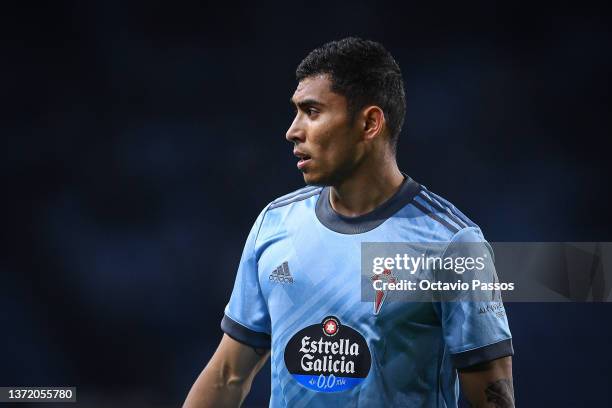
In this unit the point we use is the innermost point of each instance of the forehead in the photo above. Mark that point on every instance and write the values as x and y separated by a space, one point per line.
317 88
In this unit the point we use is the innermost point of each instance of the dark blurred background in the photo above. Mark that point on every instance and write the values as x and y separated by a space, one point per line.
140 141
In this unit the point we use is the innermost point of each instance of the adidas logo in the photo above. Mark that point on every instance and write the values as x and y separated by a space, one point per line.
281 274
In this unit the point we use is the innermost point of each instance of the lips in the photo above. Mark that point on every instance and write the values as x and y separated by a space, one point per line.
304 159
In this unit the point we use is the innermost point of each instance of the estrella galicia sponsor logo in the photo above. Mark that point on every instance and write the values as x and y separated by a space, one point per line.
328 356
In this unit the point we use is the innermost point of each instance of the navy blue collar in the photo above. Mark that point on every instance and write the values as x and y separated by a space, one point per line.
366 222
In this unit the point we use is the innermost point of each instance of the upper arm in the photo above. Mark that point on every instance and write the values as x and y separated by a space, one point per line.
227 378
246 316
474 322
476 329
489 384
243 350
237 362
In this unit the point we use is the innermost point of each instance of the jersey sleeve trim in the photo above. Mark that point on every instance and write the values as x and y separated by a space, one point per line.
483 354
245 335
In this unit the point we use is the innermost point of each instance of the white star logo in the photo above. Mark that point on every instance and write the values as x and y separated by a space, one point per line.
330 327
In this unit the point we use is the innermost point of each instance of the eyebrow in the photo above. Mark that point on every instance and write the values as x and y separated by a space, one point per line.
306 102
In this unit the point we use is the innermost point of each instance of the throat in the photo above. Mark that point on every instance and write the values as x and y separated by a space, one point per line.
360 196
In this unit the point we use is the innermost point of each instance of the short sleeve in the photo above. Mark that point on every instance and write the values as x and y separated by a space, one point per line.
246 317
475 326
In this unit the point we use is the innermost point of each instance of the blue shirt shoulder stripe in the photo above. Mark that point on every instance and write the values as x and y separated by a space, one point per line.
294 193
442 208
450 207
298 197
435 216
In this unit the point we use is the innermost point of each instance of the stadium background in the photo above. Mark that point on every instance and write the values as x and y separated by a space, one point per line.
140 141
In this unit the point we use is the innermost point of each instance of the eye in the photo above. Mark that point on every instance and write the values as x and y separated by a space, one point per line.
310 111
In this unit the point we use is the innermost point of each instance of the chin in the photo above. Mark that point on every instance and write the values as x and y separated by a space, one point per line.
317 179
313 179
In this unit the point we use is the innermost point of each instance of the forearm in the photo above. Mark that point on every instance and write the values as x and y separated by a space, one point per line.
497 394
489 385
216 387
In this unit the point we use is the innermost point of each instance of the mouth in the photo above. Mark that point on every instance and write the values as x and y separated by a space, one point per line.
304 159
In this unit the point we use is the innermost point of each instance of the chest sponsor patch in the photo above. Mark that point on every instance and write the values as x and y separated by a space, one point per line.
328 357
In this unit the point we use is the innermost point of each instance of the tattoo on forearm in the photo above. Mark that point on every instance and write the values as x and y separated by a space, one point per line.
500 393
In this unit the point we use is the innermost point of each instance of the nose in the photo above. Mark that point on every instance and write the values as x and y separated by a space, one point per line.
295 133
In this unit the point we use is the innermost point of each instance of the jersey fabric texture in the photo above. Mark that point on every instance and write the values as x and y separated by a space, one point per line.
298 292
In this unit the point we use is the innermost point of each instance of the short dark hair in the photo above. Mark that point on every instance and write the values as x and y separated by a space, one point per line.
365 73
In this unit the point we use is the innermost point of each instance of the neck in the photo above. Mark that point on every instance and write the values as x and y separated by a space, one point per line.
370 185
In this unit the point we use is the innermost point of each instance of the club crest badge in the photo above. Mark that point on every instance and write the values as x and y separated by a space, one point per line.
381 295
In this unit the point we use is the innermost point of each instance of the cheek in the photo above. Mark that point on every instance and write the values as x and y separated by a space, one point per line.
332 143
337 151
331 138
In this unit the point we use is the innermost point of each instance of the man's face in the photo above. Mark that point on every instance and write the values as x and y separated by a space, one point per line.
325 141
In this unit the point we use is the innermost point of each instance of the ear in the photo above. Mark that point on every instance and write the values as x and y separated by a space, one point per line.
373 122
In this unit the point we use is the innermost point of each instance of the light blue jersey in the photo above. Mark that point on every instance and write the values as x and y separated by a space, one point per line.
298 292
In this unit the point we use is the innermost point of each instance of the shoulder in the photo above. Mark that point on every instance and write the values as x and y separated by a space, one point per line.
436 205
294 197
290 207
439 215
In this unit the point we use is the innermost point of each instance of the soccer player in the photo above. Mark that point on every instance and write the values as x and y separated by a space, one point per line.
297 295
